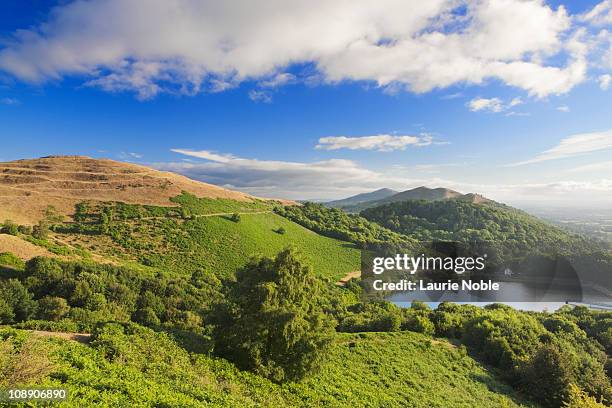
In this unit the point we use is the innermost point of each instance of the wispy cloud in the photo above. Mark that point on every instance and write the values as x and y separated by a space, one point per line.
604 81
595 167
563 108
260 96
327 178
130 155
10 101
381 143
494 105
451 96
573 146
278 80
601 14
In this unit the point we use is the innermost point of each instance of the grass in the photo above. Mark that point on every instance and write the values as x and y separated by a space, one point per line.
202 206
138 367
221 245
401 369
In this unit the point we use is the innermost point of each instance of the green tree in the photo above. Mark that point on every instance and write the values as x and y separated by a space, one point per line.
52 308
18 298
548 376
273 323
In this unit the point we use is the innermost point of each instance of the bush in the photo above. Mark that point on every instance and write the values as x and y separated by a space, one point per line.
420 324
376 316
9 227
22 361
577 398
547 376
52 308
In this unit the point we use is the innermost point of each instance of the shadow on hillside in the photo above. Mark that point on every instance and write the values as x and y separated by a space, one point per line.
190 341
495 384
9 273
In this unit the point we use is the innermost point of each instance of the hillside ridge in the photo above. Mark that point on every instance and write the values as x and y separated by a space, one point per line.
28 186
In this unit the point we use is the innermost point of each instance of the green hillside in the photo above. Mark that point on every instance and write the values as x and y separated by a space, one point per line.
454 220
215 235
132 365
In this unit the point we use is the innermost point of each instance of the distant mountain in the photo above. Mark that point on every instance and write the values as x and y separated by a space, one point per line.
363 198
419 193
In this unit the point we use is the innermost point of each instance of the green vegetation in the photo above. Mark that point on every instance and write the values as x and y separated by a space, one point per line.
201 321
128 365
201 206
335 223
273 322
507 233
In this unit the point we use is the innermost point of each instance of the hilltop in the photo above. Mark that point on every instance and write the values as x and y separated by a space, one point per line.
362 198
27 187
386 196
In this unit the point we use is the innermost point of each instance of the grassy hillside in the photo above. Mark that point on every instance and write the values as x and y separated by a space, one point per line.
138 367
201 234
27 187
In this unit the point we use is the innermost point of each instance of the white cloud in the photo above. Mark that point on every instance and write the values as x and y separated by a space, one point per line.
130 155
495 105
484 104
278 80
572 146
381 143
260 96
189 46
604 81
328 178
601 14
563 108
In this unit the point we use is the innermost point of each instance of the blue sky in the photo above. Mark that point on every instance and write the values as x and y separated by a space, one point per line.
439 99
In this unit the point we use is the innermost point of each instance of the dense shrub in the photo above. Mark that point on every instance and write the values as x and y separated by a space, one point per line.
273 323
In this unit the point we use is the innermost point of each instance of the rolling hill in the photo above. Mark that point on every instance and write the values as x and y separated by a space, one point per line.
419 193
27 187
362 198
160 220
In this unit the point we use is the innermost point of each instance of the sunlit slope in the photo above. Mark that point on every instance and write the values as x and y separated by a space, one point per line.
27 187
203 240
143 368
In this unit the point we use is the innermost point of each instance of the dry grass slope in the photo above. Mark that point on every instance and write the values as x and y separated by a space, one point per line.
27 187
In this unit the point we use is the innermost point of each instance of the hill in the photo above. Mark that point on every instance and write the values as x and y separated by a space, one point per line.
419 193
362 198
27 187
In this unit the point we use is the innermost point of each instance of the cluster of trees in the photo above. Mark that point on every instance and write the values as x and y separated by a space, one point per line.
81 295
271 320
277 319
335 223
